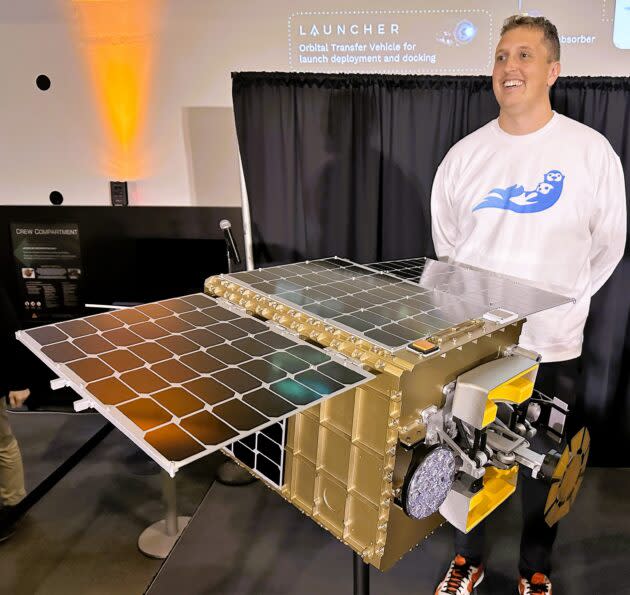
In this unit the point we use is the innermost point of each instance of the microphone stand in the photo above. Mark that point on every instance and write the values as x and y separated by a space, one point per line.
229 260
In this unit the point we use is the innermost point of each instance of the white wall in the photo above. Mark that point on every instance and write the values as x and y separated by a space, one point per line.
54 140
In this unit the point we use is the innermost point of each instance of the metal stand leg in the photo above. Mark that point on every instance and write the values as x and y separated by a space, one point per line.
361 575
158 540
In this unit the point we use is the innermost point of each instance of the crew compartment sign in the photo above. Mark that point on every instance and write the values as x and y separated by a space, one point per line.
391 41
48 264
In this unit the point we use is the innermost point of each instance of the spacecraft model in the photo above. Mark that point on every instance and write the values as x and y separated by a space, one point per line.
378 399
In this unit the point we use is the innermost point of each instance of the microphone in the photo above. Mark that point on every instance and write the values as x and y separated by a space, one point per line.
226 226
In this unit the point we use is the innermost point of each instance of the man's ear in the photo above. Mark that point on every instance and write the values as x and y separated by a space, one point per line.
554 73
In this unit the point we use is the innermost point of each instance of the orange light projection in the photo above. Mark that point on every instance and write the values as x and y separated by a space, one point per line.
118 41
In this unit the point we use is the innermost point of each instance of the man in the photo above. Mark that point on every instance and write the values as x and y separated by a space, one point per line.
539 196
13 387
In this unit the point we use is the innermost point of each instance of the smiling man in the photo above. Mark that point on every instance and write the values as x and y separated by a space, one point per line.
536 195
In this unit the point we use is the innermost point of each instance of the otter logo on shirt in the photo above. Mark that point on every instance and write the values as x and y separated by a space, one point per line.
515 198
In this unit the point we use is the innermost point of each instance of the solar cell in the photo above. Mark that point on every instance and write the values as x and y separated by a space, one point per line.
103 322
76 328
96 343
252 347
287 362
186 376
150 352
268 469
208 428
173 443
119 360
178 401
239 415
268 403
145 413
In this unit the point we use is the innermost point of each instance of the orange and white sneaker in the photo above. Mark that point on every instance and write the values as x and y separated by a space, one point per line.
461 578
539 584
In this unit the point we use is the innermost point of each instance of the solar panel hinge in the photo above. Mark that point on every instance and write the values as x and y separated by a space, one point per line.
82 405
283 330
231 306
58 383
344 360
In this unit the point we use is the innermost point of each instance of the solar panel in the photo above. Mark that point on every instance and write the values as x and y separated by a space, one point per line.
495 290
393 304
187 376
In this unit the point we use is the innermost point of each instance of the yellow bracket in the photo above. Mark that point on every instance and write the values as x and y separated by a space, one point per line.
498 486
506 379
516 390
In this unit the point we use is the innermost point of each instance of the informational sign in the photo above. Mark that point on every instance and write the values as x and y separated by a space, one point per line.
391 40
621 32
449 37
48 264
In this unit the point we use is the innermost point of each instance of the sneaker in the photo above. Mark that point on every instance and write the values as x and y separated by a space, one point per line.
461 578
538 585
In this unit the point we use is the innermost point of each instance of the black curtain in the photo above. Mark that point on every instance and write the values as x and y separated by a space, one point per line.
343 165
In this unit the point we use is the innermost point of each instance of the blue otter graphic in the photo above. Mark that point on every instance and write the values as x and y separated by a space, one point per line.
517 199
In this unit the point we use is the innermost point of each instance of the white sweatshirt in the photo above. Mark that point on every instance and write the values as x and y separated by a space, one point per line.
547 207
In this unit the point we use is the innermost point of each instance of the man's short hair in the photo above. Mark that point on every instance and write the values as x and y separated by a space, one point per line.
549 31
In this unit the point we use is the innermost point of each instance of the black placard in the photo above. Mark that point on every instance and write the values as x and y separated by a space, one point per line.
48 264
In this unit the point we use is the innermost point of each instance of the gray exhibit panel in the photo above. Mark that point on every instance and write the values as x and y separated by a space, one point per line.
187 376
